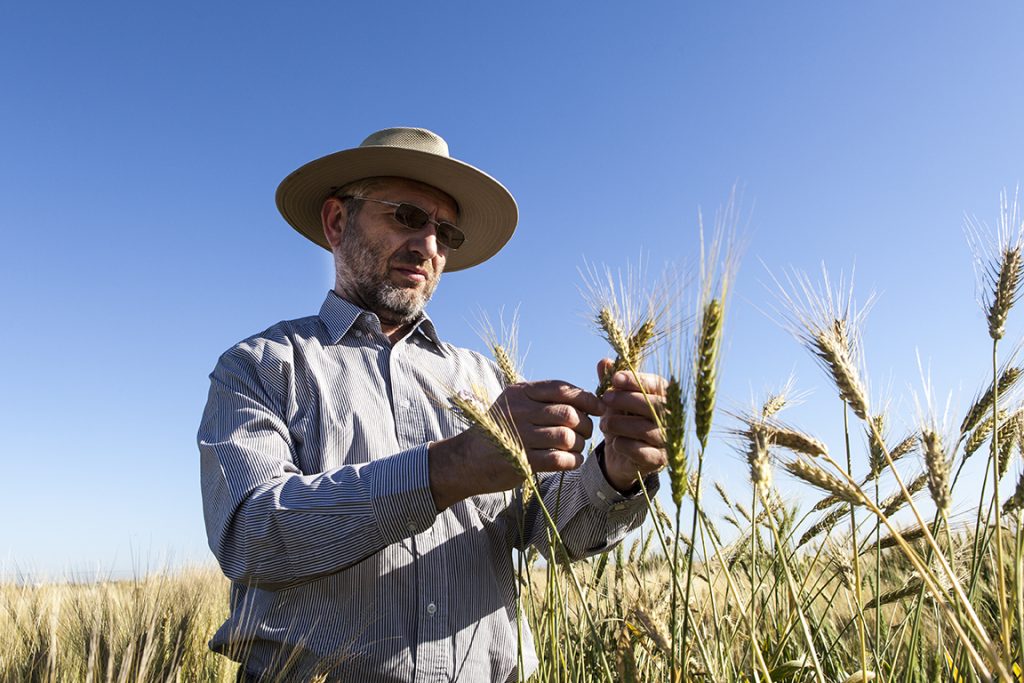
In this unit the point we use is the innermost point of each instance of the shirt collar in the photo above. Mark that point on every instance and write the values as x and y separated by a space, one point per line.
339 316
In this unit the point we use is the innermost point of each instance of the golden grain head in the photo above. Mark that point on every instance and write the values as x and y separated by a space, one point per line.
1006 290
937 465
757 458
903 448
876 444
909 535
825 503
1016 501
819 478
774 404
796 441
841 367
895 502
472 406
505 363
980 434
825 524
982 406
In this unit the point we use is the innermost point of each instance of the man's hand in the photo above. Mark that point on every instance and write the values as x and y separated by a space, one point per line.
633 444
552 419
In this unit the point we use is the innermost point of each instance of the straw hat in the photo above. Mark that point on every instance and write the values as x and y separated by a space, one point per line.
487 211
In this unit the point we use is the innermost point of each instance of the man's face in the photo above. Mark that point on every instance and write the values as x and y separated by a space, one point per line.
384 266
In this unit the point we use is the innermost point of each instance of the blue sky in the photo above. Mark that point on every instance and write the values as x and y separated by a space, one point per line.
140 147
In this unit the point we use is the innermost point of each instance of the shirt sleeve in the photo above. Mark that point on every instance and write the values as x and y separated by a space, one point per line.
590 514
268 524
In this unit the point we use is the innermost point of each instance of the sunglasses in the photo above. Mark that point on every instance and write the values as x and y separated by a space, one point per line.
415 218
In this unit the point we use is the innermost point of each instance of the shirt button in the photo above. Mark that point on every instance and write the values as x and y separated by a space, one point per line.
431 609
358 333
411 526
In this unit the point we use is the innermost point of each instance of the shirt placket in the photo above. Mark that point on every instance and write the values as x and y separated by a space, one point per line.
433 648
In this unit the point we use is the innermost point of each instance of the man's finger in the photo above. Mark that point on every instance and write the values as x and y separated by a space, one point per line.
652 384
633 427
547 460
562 415
554 438
633 402
645 458
557 391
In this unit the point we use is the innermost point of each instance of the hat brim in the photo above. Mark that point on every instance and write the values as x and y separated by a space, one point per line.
487 211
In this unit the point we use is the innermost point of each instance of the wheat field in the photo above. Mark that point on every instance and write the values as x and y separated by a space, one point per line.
752 588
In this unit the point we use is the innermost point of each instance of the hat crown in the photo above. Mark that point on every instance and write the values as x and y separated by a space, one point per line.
419 139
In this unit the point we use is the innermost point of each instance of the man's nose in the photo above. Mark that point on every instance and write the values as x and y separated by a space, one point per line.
424 242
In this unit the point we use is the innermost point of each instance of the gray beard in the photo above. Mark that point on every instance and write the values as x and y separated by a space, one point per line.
396 304
356 265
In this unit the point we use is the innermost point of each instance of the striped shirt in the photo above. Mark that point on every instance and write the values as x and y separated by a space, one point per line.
313 451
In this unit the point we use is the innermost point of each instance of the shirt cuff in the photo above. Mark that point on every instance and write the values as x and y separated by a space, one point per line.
603 495
400 493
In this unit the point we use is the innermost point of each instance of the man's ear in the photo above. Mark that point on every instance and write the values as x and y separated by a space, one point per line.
332 218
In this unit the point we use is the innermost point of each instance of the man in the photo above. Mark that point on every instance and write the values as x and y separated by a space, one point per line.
368 534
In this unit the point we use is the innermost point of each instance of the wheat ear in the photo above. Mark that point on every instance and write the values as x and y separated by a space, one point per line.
472 406
838 361
983 405
819 478
1006 291
938 470
795 441
674 424
707 369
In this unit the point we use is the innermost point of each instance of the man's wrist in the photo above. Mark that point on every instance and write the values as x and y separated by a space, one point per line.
627 489
442 463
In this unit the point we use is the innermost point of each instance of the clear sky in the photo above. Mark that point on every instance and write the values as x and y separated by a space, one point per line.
141 144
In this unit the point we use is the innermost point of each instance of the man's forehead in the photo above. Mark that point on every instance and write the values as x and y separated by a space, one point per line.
396 185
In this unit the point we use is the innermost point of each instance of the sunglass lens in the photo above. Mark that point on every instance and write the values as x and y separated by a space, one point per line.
414 218
450 236
411 216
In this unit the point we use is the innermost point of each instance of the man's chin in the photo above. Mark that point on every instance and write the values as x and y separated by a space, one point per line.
402 306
